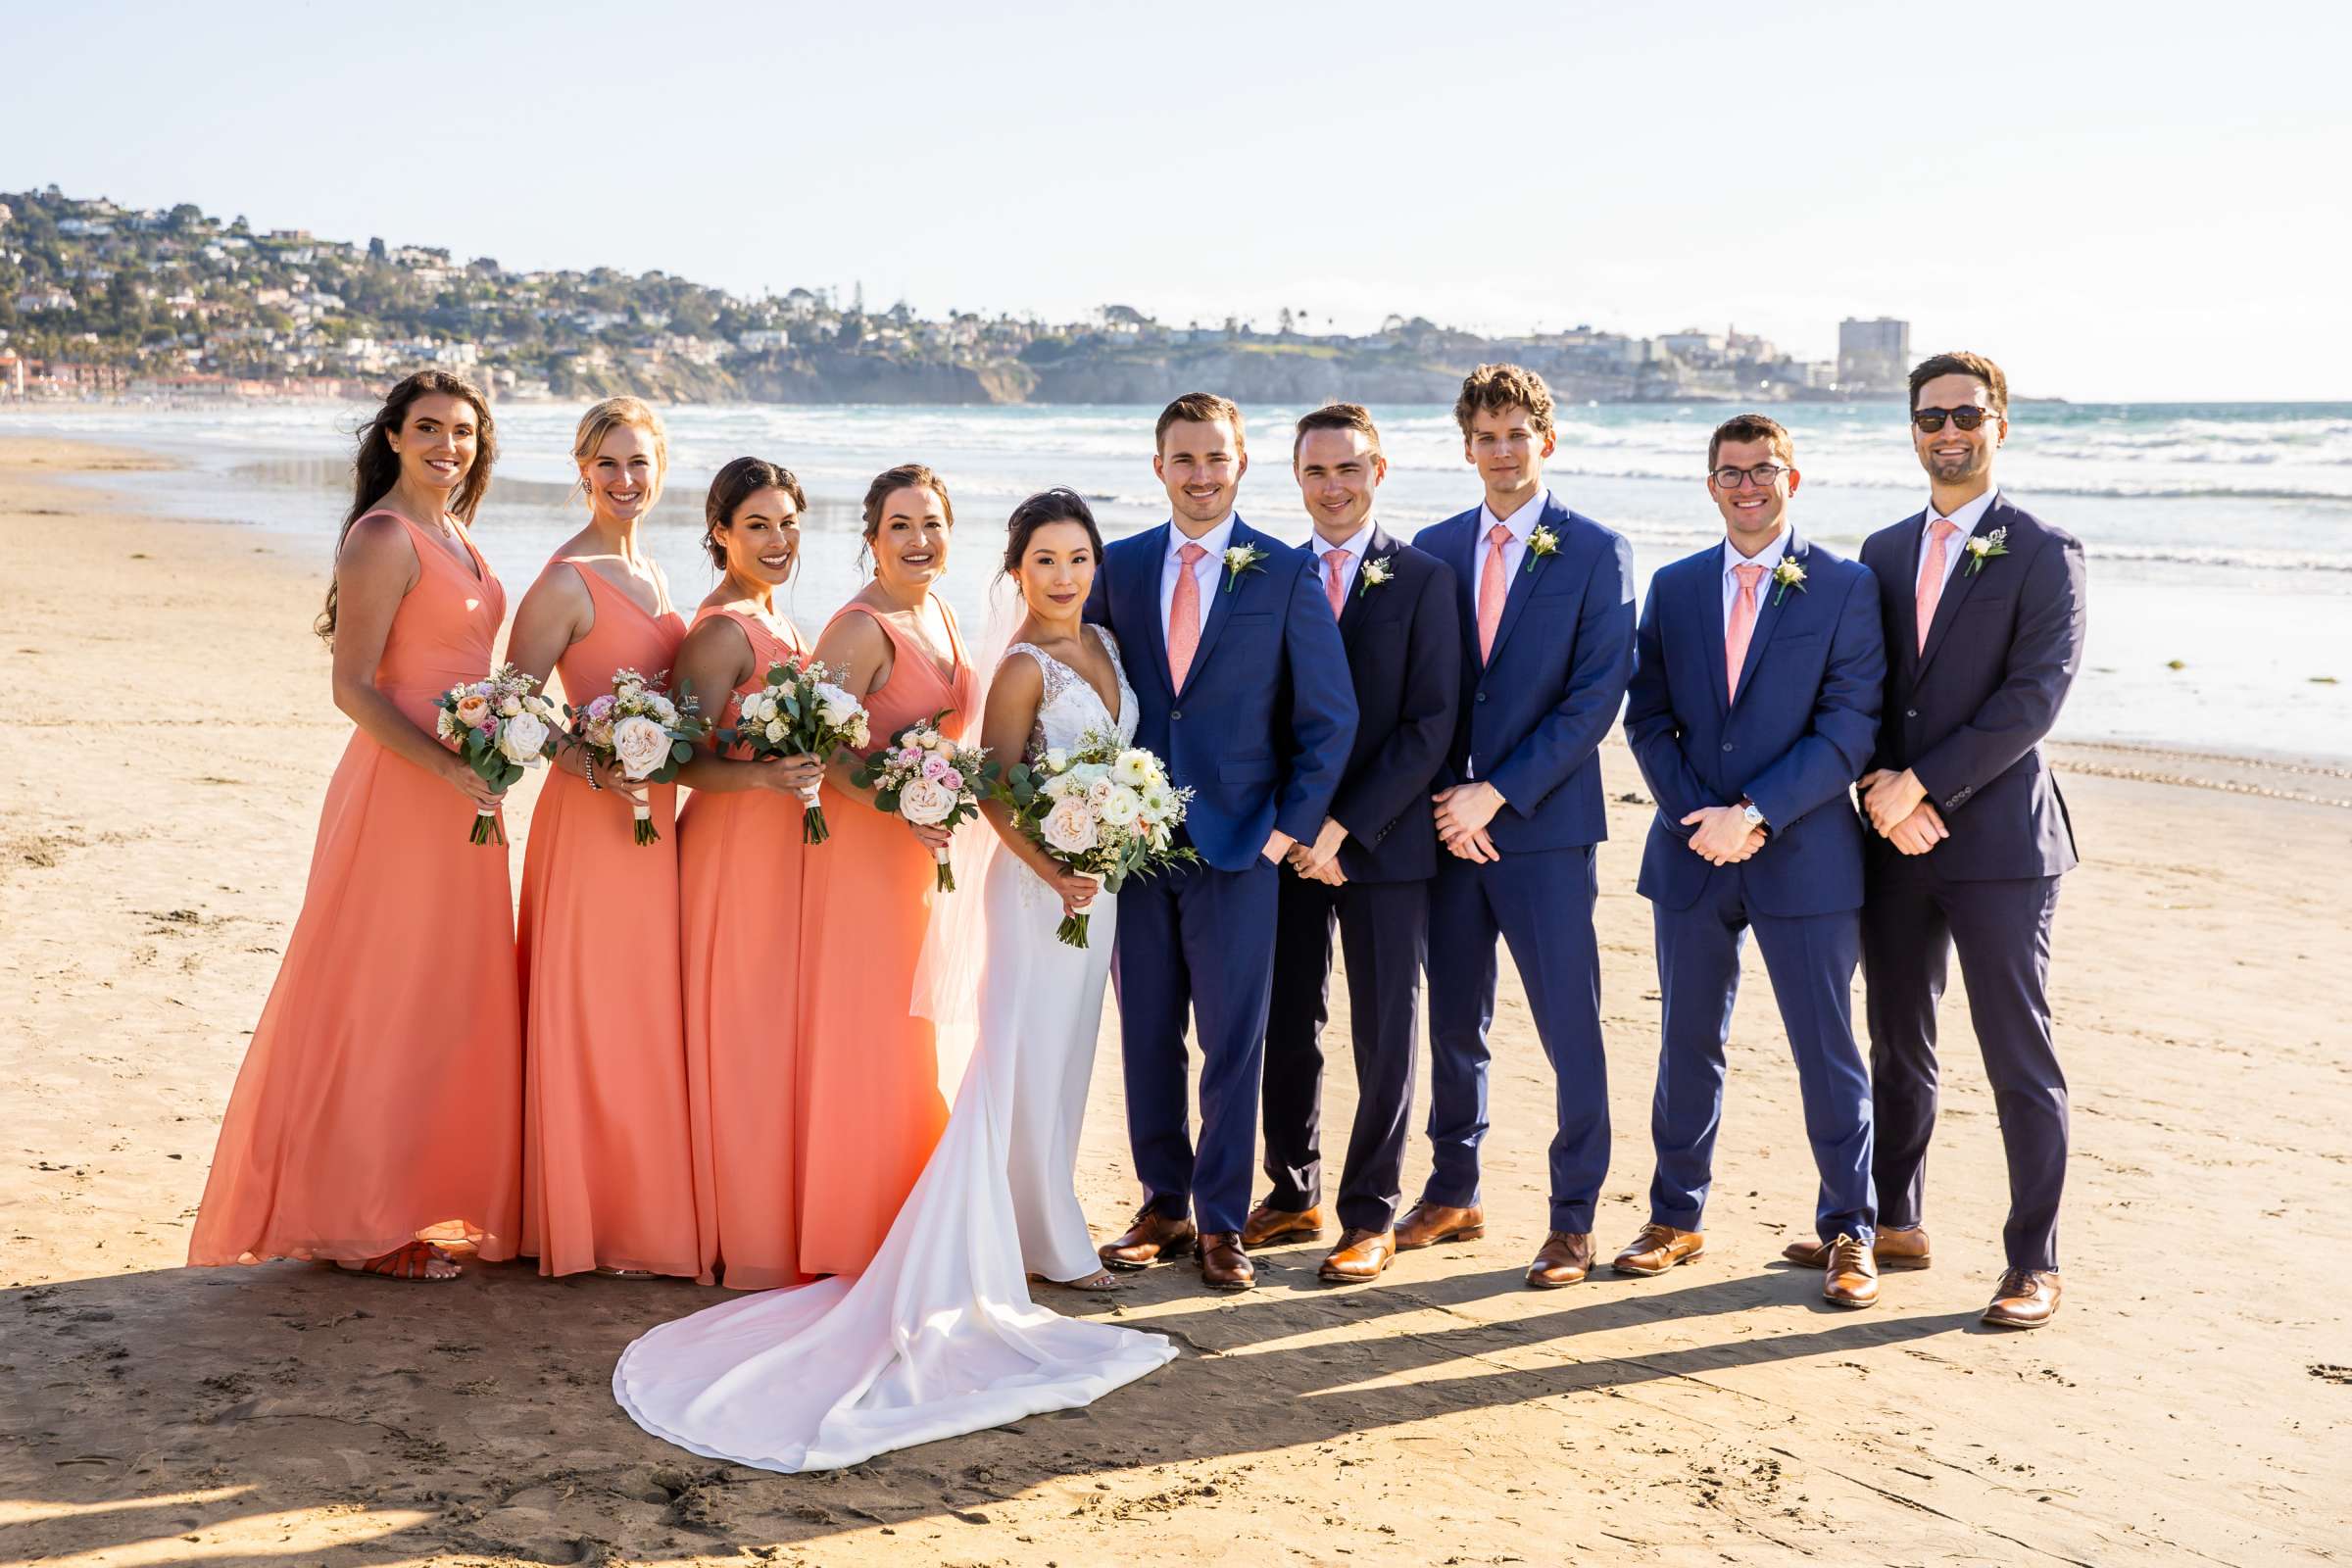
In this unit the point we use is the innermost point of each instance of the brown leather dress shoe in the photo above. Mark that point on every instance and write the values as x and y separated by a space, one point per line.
1359 1256
1896 1247
1565 1258
2027 1300
1428 1224
1154 1235
1267 1225
1854 1274
1658 1248
1224 1266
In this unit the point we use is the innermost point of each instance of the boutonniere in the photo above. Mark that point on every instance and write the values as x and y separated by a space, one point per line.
1983 548
1543 542
1241 559
1370 575
1788 574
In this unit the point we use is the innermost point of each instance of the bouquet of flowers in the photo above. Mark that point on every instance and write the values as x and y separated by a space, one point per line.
800 711
1102 810
640 732
929 780
501 726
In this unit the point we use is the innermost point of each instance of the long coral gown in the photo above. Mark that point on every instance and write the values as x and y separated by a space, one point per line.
739 894
380 1099
870 1106
606 1161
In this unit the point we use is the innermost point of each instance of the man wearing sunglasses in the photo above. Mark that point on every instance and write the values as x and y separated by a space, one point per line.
1984 609
1759 672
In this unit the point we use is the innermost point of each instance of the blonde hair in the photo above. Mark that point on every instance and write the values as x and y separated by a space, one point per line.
610 415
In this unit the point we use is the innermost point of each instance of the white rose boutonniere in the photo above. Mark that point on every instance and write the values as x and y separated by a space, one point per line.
1370 575
1983 547
1241 559
1543 542
1787 574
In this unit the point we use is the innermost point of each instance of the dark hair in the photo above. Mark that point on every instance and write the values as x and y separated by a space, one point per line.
735 484
375 466
906 476
1750 427
1337 416
1963 362
1199 408
1496 388
1057 504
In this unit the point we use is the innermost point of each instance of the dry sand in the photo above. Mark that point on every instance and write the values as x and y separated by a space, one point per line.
2193 1403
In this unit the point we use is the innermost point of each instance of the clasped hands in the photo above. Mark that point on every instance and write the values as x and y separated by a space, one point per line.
1899 807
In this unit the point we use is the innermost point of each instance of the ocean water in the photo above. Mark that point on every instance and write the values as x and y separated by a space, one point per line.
2219 535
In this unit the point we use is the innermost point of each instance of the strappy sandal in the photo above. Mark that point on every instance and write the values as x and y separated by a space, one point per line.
1101 1281
626 1273
410 1265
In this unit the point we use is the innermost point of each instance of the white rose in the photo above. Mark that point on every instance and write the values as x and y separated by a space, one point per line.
1132 768
1069 828
1057 786
1122 805
664 708
926 802
1056 760
510 707
641 745
776 732
522 738
837 708
1099 790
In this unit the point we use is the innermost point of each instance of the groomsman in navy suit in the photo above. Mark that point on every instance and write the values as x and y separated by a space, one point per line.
1985 608
1368 866
1548 643
1757 678
1241 686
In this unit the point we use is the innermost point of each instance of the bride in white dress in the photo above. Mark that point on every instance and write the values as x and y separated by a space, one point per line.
939 1337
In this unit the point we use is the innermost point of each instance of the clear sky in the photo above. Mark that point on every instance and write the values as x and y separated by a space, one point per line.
2132 203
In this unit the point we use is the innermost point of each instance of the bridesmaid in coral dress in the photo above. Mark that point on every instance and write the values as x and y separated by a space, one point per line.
608 1176
870 1106
739 894
377 1111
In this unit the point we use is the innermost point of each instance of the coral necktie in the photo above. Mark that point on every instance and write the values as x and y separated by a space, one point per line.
1184 616
1743 626
1491 591
1333 563
1932 575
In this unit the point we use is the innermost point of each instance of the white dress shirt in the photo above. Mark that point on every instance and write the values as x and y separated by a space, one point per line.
1355 544
1768 558
1204 570
1966 521
1522 523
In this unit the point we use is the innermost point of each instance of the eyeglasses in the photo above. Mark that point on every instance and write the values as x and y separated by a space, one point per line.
1765 475
1931 420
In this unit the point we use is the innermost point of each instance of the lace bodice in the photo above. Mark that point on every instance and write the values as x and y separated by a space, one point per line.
1070 705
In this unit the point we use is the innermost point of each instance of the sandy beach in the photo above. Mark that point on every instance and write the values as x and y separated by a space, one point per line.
2192 1402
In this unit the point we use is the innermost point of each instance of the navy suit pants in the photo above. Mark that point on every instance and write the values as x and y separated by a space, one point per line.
1913 922
1811 961
1384 933
1540 902
1194 940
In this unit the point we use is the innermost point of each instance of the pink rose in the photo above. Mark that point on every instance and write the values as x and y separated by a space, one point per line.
952 780
934 765
472 710
600 706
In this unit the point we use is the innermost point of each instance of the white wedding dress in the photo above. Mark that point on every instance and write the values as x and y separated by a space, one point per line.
938 1336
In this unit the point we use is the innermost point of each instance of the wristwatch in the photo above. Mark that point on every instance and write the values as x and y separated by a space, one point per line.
1754 817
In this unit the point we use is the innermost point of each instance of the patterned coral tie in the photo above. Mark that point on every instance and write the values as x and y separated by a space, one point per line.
1491 591
1930 575
1333 563
1743 626
1184 616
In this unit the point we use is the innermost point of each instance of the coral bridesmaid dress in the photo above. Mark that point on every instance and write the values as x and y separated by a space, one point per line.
606 1164
870 1103
380 1099
739 894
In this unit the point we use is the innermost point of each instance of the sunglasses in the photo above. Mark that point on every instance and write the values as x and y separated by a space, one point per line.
1931 420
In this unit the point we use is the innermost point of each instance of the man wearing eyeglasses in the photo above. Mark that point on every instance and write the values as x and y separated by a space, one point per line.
1985 609
1759 672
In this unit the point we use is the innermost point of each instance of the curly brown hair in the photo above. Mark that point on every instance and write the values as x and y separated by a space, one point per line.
1494 388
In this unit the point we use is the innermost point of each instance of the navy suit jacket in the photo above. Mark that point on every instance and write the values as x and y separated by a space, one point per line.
1532 717
1260 731
1405 659
1794 739
1966 713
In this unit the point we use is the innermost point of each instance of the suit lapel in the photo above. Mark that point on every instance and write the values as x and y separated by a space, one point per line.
1707 588
1140 606
1955 594
1524 577
1380 547
1906 608
1771 603
1221 597
1465 590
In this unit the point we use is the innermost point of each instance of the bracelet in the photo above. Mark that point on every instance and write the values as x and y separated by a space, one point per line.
588 769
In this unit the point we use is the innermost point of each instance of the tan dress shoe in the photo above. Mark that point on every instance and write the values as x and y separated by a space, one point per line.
1658 1248
1565 1258
1359 1256
1267 1225
2027 1300
1154 1235
1896 1247
1852 1274
1224 1265
1428 1224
